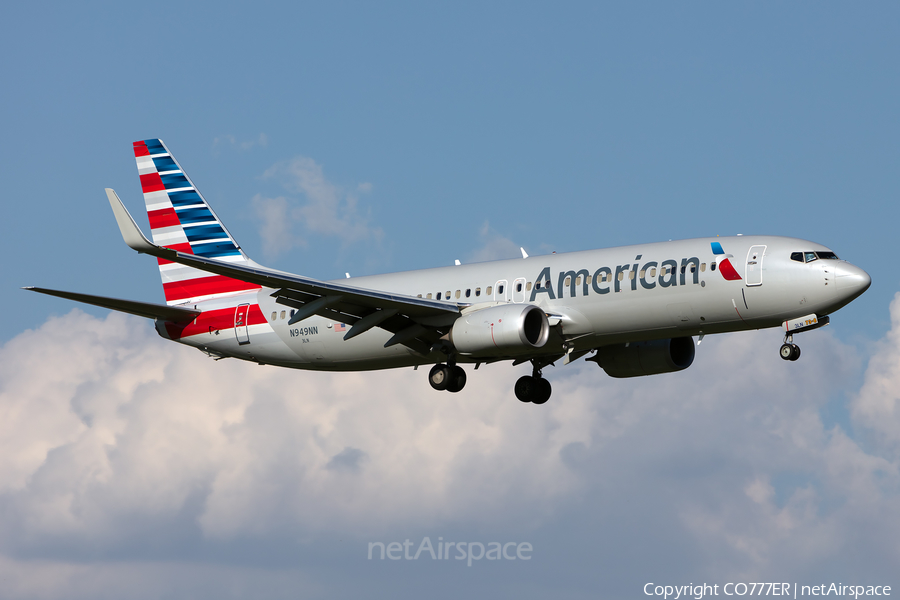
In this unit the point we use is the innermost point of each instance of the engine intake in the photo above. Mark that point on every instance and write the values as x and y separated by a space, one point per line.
646 358
504 330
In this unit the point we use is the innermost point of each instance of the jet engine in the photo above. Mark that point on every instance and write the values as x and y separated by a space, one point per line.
646 358
504 330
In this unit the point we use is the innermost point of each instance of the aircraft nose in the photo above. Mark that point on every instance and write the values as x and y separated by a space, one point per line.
850 280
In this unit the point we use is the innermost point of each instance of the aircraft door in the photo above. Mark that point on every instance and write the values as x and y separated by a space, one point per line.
518 290
754 265
501 292
241 315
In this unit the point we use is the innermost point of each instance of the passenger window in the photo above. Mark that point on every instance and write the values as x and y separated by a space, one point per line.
449 293
457 294
519 287
419 296
652 271
590 279
702 267
631 274
528 287
489 290
712 266
621 276
428 295
693 268
499 289
292 314
810 256
468 293
274 315
438 295
578 280
477 292
798 256
282 314
568 280
537 285
643 273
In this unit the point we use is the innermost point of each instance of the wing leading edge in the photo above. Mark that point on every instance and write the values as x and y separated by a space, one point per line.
415 322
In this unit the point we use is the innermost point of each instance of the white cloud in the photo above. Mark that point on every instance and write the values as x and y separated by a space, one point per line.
878 403
276 226
329 210
494 246
117 441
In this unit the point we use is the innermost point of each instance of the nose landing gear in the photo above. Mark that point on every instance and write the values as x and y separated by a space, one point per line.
789 350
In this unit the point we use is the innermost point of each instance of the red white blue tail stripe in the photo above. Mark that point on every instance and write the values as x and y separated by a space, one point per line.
181 219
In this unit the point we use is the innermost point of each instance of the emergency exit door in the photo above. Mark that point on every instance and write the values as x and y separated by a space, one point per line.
241 315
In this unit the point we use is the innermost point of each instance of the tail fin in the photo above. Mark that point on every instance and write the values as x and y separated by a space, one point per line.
181 219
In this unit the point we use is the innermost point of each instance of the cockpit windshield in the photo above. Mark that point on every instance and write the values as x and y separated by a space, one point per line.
808 257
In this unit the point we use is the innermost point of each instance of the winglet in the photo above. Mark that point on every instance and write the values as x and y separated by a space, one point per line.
131 233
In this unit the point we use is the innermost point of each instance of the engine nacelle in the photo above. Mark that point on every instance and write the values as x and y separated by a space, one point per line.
504 330
646 358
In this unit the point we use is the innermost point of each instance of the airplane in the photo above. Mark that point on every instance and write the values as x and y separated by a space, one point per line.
634 309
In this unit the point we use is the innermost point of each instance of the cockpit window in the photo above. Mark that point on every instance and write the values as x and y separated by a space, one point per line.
827 255
810 256
798 256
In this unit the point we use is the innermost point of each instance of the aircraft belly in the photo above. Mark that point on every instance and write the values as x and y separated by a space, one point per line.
264 346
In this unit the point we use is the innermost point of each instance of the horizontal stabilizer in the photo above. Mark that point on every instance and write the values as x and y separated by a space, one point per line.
174 314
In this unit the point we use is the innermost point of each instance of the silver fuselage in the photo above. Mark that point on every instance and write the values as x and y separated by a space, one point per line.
639 300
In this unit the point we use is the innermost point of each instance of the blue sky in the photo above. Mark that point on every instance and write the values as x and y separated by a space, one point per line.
418 134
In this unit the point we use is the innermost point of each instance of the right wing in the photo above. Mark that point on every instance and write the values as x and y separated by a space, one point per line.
415 322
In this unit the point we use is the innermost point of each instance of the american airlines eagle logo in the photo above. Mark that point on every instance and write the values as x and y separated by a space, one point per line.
725 267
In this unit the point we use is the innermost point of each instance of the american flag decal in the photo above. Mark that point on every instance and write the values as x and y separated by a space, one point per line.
340 327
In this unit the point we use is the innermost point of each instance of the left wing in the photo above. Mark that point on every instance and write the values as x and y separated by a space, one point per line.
176 314
415 322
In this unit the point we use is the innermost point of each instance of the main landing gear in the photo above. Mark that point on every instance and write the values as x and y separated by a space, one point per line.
533 388
789 350
447 377
530 388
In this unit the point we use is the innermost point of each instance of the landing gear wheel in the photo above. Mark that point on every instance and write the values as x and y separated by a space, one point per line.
543 391
525 388
787 352
440 377
532 389
795 354
457 379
